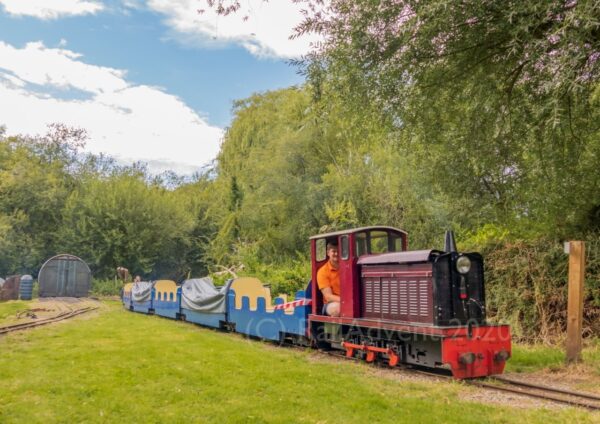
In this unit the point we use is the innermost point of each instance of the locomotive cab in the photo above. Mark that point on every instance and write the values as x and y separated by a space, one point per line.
352 244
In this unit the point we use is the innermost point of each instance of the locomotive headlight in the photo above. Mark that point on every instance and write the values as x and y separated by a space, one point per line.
463 264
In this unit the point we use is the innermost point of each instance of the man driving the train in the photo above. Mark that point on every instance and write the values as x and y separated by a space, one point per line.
328 279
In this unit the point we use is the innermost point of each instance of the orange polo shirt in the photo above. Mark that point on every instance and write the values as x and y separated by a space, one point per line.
327 276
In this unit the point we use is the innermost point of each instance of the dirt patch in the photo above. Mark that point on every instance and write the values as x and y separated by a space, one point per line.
43 308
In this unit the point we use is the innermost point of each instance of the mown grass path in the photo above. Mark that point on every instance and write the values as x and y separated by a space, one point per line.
117 366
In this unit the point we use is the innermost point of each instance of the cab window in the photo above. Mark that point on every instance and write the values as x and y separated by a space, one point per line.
376 242
345 247
379 242
361 244
321 250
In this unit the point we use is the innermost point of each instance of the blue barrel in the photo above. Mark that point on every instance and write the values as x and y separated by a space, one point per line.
26 289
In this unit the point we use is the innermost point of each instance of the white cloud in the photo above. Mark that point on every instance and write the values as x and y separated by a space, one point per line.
129 122
51 9
265 32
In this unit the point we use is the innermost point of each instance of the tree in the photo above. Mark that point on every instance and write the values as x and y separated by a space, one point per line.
493 99
36 177
268 168
122 220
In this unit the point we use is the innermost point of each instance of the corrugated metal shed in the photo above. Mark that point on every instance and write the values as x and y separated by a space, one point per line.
65 276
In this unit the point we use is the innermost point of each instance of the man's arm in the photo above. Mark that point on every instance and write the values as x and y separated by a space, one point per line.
329 296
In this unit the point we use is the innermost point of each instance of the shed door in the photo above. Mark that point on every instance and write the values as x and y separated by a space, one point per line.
66 278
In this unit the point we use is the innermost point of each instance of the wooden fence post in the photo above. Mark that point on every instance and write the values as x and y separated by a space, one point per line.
576 250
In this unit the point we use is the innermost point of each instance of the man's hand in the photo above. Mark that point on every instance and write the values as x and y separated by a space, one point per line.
329 296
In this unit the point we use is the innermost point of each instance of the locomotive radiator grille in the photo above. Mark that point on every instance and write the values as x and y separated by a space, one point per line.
368 297
413 298
403 299
395 296
377 298
423 295
385 297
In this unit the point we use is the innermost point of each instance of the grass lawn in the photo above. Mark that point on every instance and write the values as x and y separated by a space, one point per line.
528 358
10 308
121 366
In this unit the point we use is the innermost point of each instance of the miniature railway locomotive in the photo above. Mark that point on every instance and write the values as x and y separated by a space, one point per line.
424 308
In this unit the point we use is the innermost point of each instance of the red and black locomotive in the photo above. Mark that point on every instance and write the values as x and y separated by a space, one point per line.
422 307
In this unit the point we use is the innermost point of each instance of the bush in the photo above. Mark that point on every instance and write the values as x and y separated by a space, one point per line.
106 287
527 287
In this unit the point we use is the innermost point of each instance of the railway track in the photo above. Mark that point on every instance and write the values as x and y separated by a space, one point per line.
499 383
64 313
553 394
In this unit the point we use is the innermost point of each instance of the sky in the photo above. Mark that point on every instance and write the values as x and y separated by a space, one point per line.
150 80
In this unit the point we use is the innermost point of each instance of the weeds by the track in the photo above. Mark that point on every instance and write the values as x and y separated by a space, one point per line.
530 358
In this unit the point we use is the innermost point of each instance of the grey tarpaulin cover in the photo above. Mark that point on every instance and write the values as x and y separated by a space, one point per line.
200 294
141 291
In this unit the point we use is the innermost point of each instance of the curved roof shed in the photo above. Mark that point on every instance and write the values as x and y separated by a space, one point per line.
64 276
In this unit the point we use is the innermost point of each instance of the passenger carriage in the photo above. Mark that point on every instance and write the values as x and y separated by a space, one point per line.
141 297
166 298
251 312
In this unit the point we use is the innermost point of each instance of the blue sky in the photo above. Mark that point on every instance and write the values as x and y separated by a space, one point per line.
150 80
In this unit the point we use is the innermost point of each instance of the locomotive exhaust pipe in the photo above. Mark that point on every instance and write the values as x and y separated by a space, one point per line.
450 244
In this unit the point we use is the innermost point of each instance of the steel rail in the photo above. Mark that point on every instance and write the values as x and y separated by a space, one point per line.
540 395
505 387
545 388
60 317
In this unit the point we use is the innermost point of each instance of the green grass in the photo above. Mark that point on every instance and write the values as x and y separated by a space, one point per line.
11 307
591 355
120 366
530 358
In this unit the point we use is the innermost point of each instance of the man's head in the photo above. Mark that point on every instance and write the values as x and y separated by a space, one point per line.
332 253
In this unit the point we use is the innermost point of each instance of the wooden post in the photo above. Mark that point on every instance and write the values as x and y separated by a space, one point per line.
576 250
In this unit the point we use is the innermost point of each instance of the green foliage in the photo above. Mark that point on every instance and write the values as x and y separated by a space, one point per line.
268 171
35 180
526 286
290 168
485 236
494 104
107 287
55 200
122 220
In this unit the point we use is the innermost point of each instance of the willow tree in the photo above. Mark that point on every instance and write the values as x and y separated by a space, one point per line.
495 99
